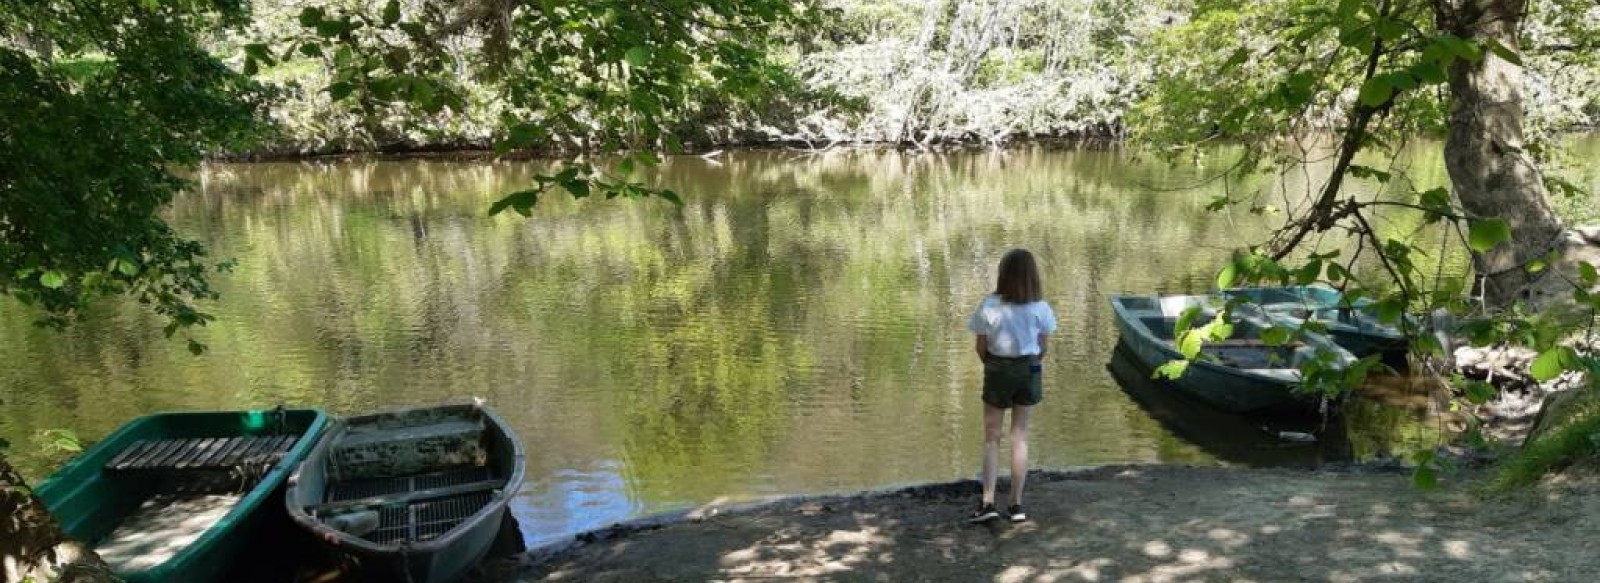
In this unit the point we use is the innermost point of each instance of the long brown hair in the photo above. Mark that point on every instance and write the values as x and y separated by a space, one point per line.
1019 278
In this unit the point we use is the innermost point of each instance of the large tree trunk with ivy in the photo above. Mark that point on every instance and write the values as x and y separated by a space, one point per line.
32 547
1493 175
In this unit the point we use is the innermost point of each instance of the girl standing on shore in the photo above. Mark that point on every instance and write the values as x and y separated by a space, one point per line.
1012 326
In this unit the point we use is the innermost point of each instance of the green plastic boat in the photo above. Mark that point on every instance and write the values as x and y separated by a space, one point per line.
174 497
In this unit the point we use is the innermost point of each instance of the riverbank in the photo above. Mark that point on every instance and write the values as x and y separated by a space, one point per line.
1135 524
485 151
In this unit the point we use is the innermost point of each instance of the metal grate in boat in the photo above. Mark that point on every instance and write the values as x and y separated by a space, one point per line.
426 520
358 489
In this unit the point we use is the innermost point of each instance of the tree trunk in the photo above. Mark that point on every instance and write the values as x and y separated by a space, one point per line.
32 547
1492 174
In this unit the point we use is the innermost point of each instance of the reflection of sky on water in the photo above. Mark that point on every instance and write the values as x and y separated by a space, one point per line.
569 501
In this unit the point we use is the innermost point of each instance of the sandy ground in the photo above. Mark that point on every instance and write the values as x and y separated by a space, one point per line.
1130 524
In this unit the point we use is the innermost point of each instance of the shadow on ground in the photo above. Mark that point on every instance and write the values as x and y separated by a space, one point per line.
1140 524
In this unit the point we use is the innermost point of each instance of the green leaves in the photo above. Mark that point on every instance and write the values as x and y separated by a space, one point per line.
1385 87
1376 91
1430 69
259 52
1456 48
340 90
1390 309
60 440
1390 29
583 78
578 188
521 201
1348 10
1189 344
1277 335
255 55
1429 73
52 279
1551 363
1239 57
1189 341
1427 344
582 181
391 13
1477 392
1357 37
1171 370
638 57
1485 234
1309 273
1338 273
1185 320
1228 275
1436 202
311 16
1367 172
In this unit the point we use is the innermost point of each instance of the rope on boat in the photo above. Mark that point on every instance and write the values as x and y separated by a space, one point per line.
405 560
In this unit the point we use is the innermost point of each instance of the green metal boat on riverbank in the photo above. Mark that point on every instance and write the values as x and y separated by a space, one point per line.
175 497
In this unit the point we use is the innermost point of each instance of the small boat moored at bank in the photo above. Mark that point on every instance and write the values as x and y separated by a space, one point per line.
175 497
416 495
1242 374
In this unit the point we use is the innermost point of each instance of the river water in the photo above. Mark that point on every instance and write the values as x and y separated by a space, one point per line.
796 327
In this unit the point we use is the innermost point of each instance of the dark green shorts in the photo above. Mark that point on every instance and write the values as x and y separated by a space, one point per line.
1012 381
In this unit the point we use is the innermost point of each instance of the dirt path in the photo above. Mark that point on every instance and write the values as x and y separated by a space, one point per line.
1142 524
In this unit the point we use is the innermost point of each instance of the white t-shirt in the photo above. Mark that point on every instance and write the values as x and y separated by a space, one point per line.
1013 329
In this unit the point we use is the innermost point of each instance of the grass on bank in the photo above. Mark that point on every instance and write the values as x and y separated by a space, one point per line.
1574 442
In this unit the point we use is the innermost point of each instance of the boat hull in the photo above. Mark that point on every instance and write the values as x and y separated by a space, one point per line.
89 500
1221 387
1250 440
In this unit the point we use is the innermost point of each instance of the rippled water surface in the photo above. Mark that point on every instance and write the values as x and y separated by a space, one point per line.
796 327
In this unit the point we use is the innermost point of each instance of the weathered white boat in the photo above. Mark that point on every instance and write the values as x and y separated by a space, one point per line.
415 495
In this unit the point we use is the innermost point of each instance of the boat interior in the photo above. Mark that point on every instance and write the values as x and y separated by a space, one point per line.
156 496
1245 350
1317 305
409 476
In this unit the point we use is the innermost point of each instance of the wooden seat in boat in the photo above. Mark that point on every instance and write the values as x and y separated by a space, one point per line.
202 453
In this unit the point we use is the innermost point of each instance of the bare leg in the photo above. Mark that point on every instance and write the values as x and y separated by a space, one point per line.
1020 416
993 422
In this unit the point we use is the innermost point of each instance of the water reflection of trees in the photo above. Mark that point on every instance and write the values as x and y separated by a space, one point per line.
797 324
